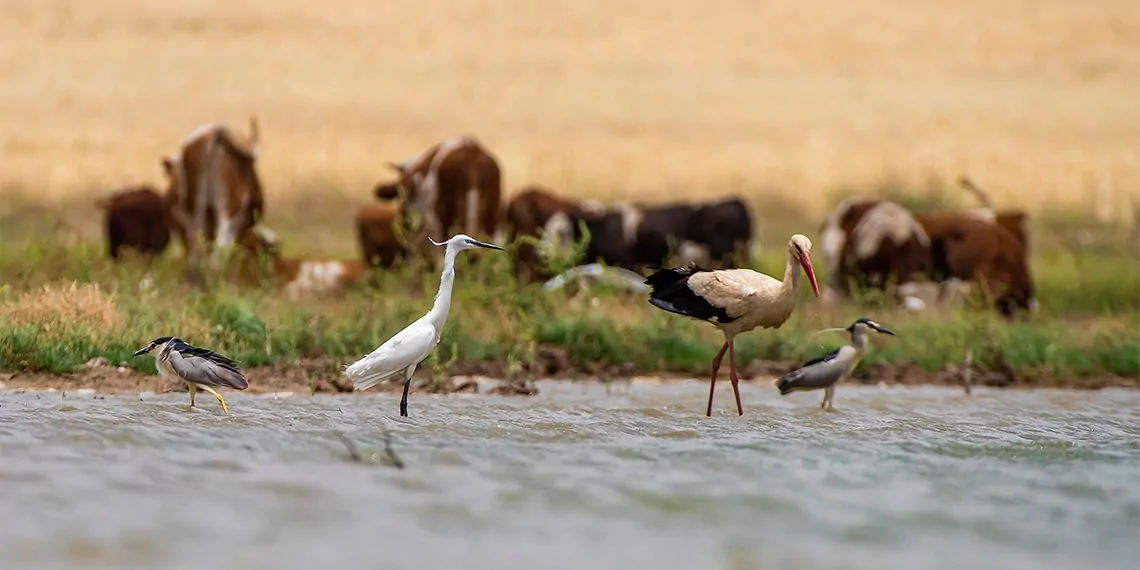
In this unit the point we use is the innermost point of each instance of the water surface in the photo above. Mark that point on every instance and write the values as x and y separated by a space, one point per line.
577 477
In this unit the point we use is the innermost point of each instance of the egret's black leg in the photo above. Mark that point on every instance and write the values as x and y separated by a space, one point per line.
404 399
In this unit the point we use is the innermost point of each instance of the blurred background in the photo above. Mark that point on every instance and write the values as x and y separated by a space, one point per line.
793 104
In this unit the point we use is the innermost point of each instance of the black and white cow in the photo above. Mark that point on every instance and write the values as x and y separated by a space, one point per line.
637 236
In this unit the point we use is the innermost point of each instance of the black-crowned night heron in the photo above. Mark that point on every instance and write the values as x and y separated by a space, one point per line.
198 367
828 370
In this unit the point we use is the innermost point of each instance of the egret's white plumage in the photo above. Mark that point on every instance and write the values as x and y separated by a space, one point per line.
400 354
407 348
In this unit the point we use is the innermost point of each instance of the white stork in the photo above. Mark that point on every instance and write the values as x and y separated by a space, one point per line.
735 300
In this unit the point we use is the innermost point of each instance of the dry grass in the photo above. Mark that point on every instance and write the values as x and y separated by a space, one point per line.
635 99
70 306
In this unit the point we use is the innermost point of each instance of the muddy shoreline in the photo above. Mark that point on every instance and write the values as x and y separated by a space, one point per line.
321 376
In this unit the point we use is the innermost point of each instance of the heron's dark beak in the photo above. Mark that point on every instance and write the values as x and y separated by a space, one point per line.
486 245
143 350
885 330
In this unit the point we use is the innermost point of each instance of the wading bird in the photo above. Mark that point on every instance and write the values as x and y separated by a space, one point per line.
198 367
830 369
735 300
404 351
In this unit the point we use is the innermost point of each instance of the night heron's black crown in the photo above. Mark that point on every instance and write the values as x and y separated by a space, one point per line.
871 325
863 320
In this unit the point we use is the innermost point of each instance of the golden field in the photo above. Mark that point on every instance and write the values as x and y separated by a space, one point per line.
784 101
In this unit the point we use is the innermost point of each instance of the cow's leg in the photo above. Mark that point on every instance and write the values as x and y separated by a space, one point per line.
471 210
489 213
446 212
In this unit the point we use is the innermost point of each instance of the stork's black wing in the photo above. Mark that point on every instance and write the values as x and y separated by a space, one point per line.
670 291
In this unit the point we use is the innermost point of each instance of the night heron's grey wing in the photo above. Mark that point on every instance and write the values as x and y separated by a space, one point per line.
207 368
817 373
829 356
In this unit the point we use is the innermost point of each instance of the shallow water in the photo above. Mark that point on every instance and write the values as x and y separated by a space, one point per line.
577 477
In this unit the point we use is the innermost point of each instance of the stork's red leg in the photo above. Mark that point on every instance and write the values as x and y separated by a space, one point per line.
712 383
732 374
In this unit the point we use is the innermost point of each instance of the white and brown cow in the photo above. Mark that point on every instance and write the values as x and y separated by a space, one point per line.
870 242
215 194
454 186
538 212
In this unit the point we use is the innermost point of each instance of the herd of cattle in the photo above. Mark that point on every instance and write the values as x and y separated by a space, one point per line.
214 205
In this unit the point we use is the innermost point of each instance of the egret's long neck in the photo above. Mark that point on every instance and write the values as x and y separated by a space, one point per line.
438 313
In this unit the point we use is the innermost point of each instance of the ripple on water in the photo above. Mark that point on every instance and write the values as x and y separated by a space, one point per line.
578 476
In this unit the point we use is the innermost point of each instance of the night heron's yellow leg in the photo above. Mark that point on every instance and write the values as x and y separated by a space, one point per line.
218 396
193 390
828 396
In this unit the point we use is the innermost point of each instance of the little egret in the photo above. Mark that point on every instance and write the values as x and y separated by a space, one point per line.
198 367
831 369
404 351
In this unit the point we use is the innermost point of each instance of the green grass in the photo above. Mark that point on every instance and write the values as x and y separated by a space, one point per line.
1089 323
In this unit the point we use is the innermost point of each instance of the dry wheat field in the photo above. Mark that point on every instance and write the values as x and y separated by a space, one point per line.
786 102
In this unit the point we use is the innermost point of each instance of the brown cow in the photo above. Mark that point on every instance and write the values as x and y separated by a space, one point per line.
295 276
531 212
1012 220
217 194
984 252
137 218
452 186
377 233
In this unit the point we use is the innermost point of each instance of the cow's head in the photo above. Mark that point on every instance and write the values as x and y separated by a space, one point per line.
1012 275
1005 273
403 186
170 170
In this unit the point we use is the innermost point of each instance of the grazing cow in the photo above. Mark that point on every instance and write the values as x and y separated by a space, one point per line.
872 243
377 233
636 236
217 195
984 252
453 186
137 218
534 212
298 277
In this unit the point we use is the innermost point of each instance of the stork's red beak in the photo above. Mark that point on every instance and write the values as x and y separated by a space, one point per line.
805 261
